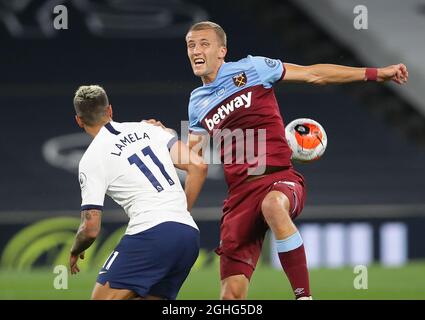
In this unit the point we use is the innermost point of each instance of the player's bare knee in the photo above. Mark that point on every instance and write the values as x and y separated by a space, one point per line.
275 204
234 288
233 292
232 296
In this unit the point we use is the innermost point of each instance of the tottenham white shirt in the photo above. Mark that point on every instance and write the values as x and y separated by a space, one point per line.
131 163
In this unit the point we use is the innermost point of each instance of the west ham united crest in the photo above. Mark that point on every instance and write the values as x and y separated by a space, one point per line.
240 79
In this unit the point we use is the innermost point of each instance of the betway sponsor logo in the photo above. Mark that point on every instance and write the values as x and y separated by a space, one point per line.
224 110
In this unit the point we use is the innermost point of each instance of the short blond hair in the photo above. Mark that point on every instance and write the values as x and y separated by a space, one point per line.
206 25
90 103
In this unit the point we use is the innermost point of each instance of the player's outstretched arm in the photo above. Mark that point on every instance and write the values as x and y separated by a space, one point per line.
198 143
185 159
86 235
322 74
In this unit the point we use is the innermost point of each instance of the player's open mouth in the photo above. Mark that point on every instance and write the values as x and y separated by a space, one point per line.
199 61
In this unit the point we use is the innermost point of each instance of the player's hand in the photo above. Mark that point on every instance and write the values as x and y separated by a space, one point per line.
155 123
73 262
397 73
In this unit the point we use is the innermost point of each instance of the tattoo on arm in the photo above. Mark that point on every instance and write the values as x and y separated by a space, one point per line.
87 214
89 227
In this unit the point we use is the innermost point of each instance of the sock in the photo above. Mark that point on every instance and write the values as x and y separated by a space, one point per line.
294 263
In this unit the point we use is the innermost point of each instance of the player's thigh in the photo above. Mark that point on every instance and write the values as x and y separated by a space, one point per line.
235 276
105 292
180 256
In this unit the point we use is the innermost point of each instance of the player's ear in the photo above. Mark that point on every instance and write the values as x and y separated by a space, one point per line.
109 111
222 52
79 121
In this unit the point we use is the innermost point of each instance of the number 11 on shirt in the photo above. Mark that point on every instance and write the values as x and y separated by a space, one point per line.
147 151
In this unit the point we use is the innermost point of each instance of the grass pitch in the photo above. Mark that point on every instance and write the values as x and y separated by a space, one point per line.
407 282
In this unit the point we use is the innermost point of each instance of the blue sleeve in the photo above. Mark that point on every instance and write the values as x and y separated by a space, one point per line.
269 70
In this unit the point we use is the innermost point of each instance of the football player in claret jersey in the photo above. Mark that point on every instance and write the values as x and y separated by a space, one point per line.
238 97
133 163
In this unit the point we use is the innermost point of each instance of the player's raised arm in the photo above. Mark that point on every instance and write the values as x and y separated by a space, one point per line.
86 235
197 143
322 74
185 159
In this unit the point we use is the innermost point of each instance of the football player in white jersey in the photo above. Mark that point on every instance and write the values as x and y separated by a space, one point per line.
133 163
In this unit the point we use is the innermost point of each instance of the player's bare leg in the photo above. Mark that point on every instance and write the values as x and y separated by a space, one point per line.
234 287
275 208
105 292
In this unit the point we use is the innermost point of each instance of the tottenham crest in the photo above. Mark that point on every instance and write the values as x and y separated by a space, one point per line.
240 79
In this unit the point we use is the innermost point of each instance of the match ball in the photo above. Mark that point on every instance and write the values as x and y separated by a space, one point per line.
307 139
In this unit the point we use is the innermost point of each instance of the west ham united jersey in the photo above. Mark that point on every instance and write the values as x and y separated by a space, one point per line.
239 108
131 163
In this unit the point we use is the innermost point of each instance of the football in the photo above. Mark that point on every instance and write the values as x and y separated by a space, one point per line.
307 139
